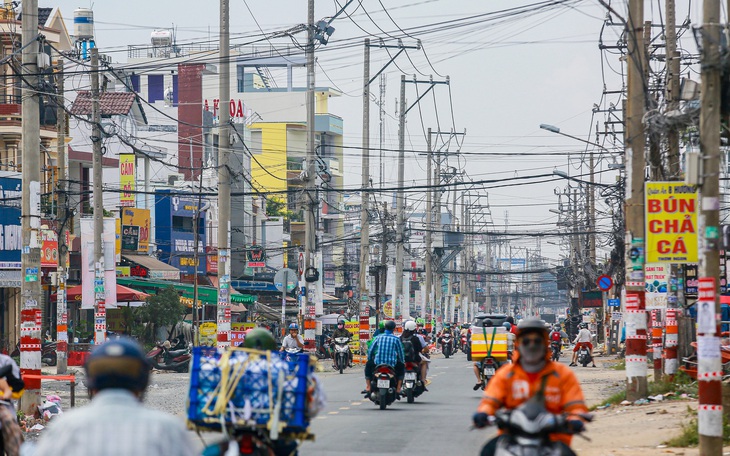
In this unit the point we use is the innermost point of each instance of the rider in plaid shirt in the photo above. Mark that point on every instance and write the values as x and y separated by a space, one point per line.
386 349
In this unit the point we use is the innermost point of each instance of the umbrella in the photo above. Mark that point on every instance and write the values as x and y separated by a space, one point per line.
124 295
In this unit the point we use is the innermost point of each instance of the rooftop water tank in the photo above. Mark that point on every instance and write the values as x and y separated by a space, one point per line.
161 38
84 24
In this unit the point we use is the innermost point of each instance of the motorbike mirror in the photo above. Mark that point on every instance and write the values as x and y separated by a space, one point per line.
587 416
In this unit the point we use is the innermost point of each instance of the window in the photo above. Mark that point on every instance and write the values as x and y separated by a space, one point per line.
182 224
155 87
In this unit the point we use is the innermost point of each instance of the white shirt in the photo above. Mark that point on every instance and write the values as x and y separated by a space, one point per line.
114 423
290 342
584 335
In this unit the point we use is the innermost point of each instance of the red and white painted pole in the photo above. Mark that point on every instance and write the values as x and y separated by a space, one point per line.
709 360
636 338
656 343
671 341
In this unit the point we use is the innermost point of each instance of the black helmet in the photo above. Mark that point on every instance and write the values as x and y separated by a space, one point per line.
488 323
529 325
390 325
259 339
118 363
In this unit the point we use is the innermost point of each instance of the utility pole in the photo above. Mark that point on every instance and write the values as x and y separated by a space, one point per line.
99 279
224 184
310 203
399 201
364 219
429 222
61 310
636 369
671 338
30 289
196 258
709 411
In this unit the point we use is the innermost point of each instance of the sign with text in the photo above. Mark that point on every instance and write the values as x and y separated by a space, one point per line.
49 249
126 180
11 236
141 219
130 237
657 284
671 222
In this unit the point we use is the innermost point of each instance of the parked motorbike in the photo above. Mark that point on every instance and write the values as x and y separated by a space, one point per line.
341 353
252 442
555 347
165 356
323 351
527 429
412 382
383 386
487 368
584 356
447 345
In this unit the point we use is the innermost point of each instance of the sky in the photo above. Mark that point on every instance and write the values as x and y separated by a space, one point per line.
509 72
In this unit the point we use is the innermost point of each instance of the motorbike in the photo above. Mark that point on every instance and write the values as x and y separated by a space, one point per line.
252 442
412 382
165 356
446 345
527 429
555 347
383 386
323 351
584 356
48 352
487 368
290 354
342 353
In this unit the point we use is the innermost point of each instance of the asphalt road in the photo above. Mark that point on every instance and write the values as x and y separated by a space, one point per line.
437 423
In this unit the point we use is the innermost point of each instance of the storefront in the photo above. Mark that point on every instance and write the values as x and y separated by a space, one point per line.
146 267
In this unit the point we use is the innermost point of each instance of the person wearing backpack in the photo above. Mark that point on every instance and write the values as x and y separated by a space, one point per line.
413 348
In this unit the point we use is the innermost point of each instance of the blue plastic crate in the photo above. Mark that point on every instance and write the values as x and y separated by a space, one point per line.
255 394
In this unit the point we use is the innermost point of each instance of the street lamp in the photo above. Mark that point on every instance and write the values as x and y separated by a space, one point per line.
556 130
565 175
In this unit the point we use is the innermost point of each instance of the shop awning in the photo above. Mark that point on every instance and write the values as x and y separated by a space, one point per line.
155 269
206 295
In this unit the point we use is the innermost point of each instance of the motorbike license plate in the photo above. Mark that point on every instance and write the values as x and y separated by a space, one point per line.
383 383
488 371
410 376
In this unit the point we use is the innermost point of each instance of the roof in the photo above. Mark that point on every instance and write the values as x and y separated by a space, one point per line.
111 103
43 15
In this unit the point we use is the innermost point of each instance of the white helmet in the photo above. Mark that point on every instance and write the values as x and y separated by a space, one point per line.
410 325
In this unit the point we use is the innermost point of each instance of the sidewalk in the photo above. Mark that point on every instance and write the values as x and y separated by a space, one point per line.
628 430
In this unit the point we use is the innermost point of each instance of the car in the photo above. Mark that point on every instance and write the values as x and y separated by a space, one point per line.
478 322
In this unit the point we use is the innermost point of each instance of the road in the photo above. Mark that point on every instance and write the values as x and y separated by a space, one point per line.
437 423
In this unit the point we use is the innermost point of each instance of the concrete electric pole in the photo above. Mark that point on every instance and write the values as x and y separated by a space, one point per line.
62 225
96 139
364 219
30 289
400 202
224 183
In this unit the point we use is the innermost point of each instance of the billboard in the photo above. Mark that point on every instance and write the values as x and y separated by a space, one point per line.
671 222
140 218
89 282
49 248
126 180
657 285
11 236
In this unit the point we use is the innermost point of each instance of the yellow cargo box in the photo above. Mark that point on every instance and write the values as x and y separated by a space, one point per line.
496 339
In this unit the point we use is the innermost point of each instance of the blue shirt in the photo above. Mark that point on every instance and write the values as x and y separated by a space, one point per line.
386 349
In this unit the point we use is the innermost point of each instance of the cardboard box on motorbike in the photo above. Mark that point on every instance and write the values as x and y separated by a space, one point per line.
493 341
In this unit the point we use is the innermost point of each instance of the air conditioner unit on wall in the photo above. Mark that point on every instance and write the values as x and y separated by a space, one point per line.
174 178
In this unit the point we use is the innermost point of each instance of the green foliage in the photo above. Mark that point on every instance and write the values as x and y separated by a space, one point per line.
619 366
277 207
682 384
614 399
690 435
162 309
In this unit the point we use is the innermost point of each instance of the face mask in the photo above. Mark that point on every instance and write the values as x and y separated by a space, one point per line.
532 355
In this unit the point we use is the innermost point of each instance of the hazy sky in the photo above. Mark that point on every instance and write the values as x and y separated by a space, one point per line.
509 73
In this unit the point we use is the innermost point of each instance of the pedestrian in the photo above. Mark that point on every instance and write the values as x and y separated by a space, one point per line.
115 422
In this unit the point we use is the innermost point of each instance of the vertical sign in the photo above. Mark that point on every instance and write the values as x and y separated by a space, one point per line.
671 222
126 180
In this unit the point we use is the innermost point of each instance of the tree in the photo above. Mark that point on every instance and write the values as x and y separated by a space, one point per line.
161 309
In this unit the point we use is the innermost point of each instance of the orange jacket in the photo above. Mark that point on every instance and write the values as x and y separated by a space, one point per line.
511 386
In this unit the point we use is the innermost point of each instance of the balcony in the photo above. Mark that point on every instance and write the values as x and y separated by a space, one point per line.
11 116
328 123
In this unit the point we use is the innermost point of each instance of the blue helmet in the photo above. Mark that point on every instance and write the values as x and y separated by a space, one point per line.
119 364
507 326
294 326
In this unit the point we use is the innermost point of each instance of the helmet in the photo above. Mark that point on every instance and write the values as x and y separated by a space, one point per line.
532 325
410 325
510 319
488 323
556 327
260 339
119 364
583 326
381 325
507 325
390 325
294 326
420 321
340 324
447 325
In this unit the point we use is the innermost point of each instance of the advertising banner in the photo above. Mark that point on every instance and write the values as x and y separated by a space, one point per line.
108 263
671 222
139 218
354 328
126 180
10 231
657 285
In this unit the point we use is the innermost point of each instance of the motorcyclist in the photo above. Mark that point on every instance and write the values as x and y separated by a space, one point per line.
583 339
115 422
515 383
409 333
11 387
446 330
293 339
341 332
386 349
477 365
557 335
